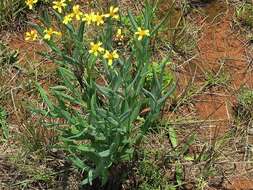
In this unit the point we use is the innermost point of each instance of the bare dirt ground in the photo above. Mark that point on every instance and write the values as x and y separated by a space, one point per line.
222 48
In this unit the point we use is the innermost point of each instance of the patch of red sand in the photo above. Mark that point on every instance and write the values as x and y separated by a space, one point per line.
240 184
221 45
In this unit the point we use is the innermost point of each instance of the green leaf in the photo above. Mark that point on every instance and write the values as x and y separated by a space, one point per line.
85 148
179 173
104 90
70 80
150 95
79 163
69 59
76 136
69 98
90 177
167 94
104 154
125 116
188 143
3 124
44 96
132 20
59 88
172 136
38 28
188 158
112 121
65 114
93 105
136 111
80 32
46 18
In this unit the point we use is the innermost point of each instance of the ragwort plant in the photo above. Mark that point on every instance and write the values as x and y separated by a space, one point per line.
102 89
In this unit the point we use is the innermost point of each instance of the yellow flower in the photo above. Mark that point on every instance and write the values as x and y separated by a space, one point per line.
113 13
88 18
96 48
59 5
32 35
142 33
119 35
77 13
49 33
30 3
110 56
99 19
68 18
93 18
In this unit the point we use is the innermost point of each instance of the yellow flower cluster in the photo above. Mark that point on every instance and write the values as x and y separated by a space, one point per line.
93 18
95 48
49 32
141 33
110 56
31 36
76 13
68 18
90 18
30 3
113 13
97 18
59 5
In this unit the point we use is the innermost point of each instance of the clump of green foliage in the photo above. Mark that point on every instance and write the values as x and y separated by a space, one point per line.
13 12
152 172
245 103
244 14
221 78
3 124
156 68
98 102
10 10
7 55
169 162
152 176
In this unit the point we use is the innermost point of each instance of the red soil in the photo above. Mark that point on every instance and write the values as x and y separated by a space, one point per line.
220 45
240 184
